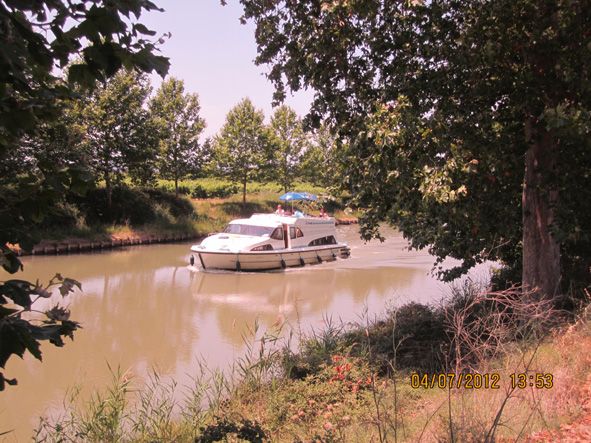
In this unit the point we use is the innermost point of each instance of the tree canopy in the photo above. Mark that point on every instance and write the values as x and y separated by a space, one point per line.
119 135
467 122
39 39
320 163
289 144
242 145
176 115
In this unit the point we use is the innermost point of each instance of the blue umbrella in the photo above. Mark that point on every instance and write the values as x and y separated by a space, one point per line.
305 196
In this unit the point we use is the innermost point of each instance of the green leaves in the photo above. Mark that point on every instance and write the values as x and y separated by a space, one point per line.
243 144
118 135
18 335
176 116
420 90
289 144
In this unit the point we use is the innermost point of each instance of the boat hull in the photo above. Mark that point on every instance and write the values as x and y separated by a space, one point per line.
267 260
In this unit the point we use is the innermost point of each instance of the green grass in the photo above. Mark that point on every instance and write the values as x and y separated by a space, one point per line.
211 184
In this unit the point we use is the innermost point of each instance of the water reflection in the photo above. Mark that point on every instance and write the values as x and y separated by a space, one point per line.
142 307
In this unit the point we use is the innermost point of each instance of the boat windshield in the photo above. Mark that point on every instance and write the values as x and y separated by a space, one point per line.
258 231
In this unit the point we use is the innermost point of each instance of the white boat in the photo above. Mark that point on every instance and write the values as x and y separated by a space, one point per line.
271 241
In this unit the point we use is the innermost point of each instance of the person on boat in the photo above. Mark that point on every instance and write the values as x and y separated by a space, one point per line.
323 214
279 210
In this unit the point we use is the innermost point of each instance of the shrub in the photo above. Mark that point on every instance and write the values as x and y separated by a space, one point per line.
243 430
62 215
127 205
178 206
222 190
199 192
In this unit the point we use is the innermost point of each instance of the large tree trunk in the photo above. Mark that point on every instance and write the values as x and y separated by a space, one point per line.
541 251
176 186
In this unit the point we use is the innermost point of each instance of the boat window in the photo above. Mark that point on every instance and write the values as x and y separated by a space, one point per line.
295 232
330 240
259 231
277 234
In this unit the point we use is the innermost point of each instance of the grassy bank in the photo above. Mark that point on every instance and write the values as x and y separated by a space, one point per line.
352 383
203 206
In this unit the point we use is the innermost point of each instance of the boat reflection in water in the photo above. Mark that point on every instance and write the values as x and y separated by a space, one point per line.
303 298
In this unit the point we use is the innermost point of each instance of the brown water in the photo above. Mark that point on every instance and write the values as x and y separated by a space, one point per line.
142 308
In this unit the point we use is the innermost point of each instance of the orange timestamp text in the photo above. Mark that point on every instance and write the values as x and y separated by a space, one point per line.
491 380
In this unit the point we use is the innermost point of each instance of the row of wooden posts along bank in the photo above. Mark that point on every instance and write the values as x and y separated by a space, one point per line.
72 247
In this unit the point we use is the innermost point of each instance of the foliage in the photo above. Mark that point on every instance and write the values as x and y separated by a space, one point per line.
55 145
20 334
38 37
133 206
127 206
37 165
242 145
244 430
176 115
119 134
178 206
220 191
289 144
320 164
439 102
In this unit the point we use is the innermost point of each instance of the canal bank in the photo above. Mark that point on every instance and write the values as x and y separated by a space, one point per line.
208 216
73 246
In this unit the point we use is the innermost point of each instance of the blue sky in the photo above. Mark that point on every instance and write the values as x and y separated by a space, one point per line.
213 53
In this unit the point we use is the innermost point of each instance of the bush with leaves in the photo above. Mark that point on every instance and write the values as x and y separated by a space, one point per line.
244 430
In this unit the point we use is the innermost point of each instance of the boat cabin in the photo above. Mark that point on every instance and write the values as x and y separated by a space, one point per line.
285 232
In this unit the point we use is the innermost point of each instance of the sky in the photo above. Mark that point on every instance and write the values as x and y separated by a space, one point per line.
214 54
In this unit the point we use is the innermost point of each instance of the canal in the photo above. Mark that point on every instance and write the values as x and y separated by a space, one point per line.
142 308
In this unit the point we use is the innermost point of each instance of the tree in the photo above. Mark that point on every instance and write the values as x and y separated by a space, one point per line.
38 39
242 147
289 144
55 145
119 134
207 163
320 163
468 122
177 117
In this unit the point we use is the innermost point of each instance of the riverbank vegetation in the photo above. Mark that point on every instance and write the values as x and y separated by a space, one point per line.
202 206
464 124
364 381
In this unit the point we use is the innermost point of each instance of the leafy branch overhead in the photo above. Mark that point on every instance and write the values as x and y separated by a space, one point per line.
53 52
17 334
467 123
39 39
